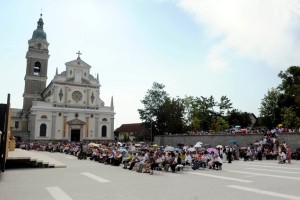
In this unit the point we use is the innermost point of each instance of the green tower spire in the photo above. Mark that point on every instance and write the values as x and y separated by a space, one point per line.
39 33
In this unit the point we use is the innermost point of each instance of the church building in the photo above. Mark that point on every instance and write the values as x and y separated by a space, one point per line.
68 108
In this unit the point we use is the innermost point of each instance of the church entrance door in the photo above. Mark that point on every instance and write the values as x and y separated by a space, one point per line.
75 135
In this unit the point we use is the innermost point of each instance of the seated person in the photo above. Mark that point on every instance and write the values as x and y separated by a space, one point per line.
200 162
148 163
157 163
282 157
176 161
117 159
217 162
133 161
248 154
95 155
211 161
140 165
168 161
127 160
188 159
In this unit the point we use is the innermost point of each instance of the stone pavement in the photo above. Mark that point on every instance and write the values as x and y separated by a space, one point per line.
85 179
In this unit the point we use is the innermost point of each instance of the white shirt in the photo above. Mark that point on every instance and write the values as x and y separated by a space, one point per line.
188 159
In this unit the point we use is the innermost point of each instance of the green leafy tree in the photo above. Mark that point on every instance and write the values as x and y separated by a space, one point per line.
290 89
236 117
162 113
290 118
224 105
221 124
270 110
170 118
200 108
196 124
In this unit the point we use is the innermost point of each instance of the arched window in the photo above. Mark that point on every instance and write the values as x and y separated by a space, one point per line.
37 69
43 130
104 119
104 131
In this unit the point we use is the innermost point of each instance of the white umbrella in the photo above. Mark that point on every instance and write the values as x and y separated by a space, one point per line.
169 148
120 143
122 149
191 149
197 145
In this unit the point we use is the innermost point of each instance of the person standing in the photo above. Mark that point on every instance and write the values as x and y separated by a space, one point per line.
288 154
229 154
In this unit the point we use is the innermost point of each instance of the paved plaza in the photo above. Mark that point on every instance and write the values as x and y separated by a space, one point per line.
85 179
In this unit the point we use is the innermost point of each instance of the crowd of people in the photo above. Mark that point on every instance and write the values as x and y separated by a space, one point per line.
139 157
145 158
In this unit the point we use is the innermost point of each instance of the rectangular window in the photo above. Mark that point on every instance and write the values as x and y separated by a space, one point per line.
16 124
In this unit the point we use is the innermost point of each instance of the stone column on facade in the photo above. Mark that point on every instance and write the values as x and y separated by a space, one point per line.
32 126
55 95
87 127
66 94
24 123
65 127
97 99
96 126
53 133
88 97
112 124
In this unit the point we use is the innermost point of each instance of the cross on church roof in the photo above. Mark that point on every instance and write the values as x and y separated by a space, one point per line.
78 53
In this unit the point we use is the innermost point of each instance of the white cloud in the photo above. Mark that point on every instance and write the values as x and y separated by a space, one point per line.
265 31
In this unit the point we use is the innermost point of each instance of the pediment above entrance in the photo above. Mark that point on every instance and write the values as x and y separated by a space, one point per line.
76 122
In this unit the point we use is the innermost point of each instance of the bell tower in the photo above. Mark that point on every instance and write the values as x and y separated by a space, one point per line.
36 69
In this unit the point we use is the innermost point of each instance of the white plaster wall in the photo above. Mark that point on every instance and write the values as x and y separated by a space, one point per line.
40 121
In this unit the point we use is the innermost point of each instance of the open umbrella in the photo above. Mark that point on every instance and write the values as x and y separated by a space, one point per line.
178 149
91 144
120 143
199 143
232 141
154 145
169 148
191 149
219 146
209 150
122 149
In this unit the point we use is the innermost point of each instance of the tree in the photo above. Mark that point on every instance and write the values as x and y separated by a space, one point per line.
224 104
270 110
221 124
290 89
236 117
152 102
170 118
196 124
290 118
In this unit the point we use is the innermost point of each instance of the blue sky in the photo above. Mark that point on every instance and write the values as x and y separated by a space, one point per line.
194 47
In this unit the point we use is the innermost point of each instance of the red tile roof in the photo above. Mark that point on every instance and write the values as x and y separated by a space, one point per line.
138 128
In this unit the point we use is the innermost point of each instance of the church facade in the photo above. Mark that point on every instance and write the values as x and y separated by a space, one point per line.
68 108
